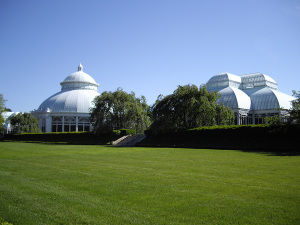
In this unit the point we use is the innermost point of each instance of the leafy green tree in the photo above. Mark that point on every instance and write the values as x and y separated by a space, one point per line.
295 110
189 107
119 110
273 120
2 109
25 123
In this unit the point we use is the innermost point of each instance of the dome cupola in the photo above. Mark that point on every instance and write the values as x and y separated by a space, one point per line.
69 109
77 93
79 80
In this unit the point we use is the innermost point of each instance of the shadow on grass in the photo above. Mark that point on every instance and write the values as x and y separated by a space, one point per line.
269 151
274 153
61 143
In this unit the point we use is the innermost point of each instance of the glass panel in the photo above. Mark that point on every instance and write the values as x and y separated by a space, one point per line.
83 119
67 129
80 127
86 127
56 119
70 119
73 127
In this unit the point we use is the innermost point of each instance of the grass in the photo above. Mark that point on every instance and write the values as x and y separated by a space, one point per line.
74 184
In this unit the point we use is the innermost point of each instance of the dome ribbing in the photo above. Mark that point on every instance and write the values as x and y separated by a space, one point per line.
76 96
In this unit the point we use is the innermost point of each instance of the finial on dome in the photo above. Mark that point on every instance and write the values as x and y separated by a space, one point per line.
80 67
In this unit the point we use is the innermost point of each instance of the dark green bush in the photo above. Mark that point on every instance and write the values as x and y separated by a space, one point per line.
246 137
2 222
65 137
125 132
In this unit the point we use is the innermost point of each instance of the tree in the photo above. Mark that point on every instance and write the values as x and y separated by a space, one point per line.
2 109
119 110
189 107
25 123
273 120
295 110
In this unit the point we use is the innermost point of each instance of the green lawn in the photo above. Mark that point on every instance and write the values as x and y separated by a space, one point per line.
83 184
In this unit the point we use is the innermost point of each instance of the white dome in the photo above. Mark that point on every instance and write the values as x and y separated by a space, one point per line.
79 77
76 96
234 98
267 98
71 101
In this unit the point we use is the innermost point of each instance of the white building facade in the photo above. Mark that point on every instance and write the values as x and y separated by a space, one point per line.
69 109
8 128
252 97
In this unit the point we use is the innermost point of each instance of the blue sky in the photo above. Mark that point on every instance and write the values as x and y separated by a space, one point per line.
149 47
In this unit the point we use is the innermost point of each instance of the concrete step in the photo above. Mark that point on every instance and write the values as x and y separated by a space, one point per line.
128 141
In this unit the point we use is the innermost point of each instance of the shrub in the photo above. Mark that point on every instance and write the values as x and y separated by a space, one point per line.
246 137
2 222
124 132
66 137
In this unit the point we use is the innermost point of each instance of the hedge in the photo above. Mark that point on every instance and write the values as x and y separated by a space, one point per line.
65 137
246 137
125 132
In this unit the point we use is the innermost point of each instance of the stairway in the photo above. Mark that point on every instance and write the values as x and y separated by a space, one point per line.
129 140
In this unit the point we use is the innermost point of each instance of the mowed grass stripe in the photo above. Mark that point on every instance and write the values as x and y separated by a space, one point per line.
73 184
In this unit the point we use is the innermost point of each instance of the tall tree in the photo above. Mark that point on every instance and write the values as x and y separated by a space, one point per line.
295 110
189 107
120 110
25 123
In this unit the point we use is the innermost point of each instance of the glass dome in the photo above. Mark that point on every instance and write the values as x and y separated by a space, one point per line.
270 99
234 98
223 80
76 96
71 101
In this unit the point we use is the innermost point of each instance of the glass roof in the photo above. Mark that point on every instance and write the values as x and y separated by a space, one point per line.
256 77
79 101
76 96
255 91
267 98
255 80
223 80
234 98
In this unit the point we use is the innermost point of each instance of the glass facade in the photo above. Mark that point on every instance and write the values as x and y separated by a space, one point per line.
83 124
252 97
70 123
57 124
69 109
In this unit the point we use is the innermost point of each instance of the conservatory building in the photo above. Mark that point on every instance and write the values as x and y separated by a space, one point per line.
68 110
252 97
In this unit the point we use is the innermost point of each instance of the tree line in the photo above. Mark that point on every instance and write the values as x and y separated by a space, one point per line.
187 107
119 110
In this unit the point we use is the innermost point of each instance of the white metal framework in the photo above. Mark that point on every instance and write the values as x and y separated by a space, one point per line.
68 110
252 97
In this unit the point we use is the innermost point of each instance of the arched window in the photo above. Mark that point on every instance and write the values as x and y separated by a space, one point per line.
83 123
70 123
56 124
